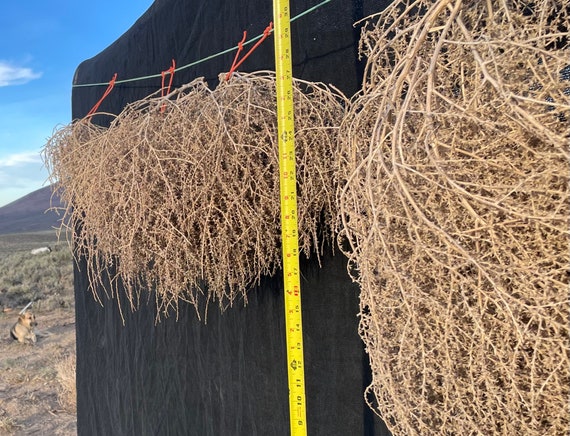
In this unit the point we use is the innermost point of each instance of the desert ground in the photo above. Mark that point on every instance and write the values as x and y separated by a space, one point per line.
37 382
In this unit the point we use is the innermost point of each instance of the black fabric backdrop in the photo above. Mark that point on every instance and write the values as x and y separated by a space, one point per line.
226 377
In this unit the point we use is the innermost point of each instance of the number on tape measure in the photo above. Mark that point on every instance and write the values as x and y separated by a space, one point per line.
289 231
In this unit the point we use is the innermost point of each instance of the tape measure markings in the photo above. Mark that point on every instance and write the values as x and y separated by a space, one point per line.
289 226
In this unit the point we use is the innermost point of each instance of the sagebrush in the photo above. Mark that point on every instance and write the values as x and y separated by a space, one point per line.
45 279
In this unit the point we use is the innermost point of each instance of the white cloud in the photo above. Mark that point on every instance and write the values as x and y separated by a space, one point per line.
14 75
20 174
20 159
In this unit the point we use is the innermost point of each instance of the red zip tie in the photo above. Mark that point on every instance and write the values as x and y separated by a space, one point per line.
163 74
235 65
105 94
240 48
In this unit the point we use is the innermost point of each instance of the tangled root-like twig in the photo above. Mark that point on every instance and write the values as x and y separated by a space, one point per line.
455 215
182 193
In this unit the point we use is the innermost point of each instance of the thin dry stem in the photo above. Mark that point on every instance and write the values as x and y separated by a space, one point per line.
186 200
454 215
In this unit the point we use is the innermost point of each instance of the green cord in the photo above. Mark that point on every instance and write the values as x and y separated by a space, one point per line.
229 50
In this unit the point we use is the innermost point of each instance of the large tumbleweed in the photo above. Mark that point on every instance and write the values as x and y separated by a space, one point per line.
455 215
181 194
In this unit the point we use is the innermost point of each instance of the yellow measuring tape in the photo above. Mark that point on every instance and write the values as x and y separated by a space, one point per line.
290 242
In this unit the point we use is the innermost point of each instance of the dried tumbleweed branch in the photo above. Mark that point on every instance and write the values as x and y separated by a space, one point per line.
455 215
186 199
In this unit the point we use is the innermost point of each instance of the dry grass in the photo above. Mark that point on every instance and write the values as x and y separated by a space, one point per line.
45 279
182 193
28 377
455 214
67 394
8 425
29 382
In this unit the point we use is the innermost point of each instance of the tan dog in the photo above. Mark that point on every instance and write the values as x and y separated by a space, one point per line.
23 330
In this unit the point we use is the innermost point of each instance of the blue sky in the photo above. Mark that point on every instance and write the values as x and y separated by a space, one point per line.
41 44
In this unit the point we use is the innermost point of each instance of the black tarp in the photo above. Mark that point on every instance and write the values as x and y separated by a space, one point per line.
226 377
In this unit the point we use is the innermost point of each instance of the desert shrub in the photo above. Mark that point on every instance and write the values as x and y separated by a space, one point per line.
45 279
67 392
455 215
181 194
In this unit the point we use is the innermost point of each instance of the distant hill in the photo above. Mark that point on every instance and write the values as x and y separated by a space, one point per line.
30 213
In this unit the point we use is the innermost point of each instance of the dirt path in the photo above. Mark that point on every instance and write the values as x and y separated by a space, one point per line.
29 383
